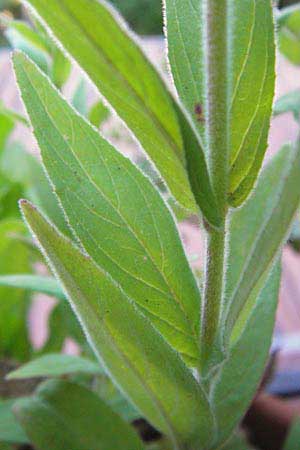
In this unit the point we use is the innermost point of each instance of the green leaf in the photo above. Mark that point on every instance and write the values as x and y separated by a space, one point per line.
22 37
98 114
10 430
288 20
236 442
12 115
21 167
258 230
6 127
55 365
129 347
124 76
61 67
251 78
293 439
14 304
184 28
117 214
252 45
79 100
242 371
62 324
35 283
65 415
288 103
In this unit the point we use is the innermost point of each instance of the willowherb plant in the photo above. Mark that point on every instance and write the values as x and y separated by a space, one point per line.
188 357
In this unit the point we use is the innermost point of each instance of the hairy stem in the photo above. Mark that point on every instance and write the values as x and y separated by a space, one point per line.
215 16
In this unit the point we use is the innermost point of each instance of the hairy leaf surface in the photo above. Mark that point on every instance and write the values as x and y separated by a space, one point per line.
124 76
259 228
133 352
251 78
119 217
242 371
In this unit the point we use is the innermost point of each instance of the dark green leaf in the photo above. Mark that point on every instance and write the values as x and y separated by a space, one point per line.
65 415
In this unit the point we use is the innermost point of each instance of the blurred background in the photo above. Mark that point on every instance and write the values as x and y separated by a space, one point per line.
35 324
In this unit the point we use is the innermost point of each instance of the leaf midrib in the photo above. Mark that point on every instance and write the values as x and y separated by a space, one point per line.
113 207
167 137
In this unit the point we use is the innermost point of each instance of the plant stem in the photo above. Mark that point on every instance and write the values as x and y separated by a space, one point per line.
215 16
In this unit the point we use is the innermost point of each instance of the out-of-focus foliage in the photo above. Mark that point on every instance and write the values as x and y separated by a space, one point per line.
144 16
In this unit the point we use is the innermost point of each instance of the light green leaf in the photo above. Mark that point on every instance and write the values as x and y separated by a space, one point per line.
35 283
79 100
61 67
21 167
22 37
288 103
124 76
10 430
258 230
12 115
65 415
55 365
288 20
242 371
251 77
124 340
293 439
119 217
98 114
14 304
6 127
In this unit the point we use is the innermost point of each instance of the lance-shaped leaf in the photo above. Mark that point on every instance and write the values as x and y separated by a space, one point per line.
288 20
55 365
138 359
35 283
250 72
125 77
184 29
242 371
14 304
259 228
119 217
65 415
252 45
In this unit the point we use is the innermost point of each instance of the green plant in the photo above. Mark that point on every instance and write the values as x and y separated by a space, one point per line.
145 16
186 356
